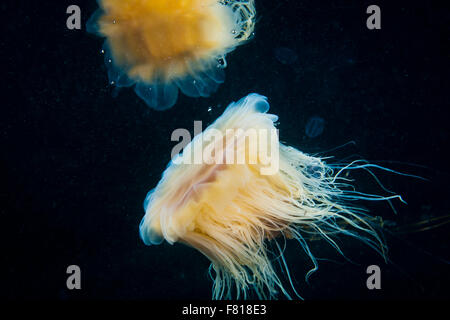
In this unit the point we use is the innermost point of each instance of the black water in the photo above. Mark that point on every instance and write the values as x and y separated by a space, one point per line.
77 157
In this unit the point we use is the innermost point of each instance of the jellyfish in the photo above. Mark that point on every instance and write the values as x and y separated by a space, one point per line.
237 212
285 55
314 126
162 46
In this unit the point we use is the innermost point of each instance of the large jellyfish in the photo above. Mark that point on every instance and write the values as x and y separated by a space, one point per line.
248 192
161 46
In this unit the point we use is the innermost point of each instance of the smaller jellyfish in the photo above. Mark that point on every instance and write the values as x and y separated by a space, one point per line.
235 212
314 126
285 55
162 46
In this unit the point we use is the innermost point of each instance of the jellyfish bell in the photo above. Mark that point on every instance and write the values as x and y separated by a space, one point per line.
195 178
234 213
163 46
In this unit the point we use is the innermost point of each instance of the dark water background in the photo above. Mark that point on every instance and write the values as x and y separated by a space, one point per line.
76 163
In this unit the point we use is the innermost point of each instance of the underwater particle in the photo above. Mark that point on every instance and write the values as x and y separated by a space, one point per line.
235 215
285 55
314 127
162 46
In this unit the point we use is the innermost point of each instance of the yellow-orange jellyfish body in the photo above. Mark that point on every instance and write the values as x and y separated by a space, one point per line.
232 212
162 45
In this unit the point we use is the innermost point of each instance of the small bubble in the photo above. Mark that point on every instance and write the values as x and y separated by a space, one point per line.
109 60
103 51
209 109
112 83
233 31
